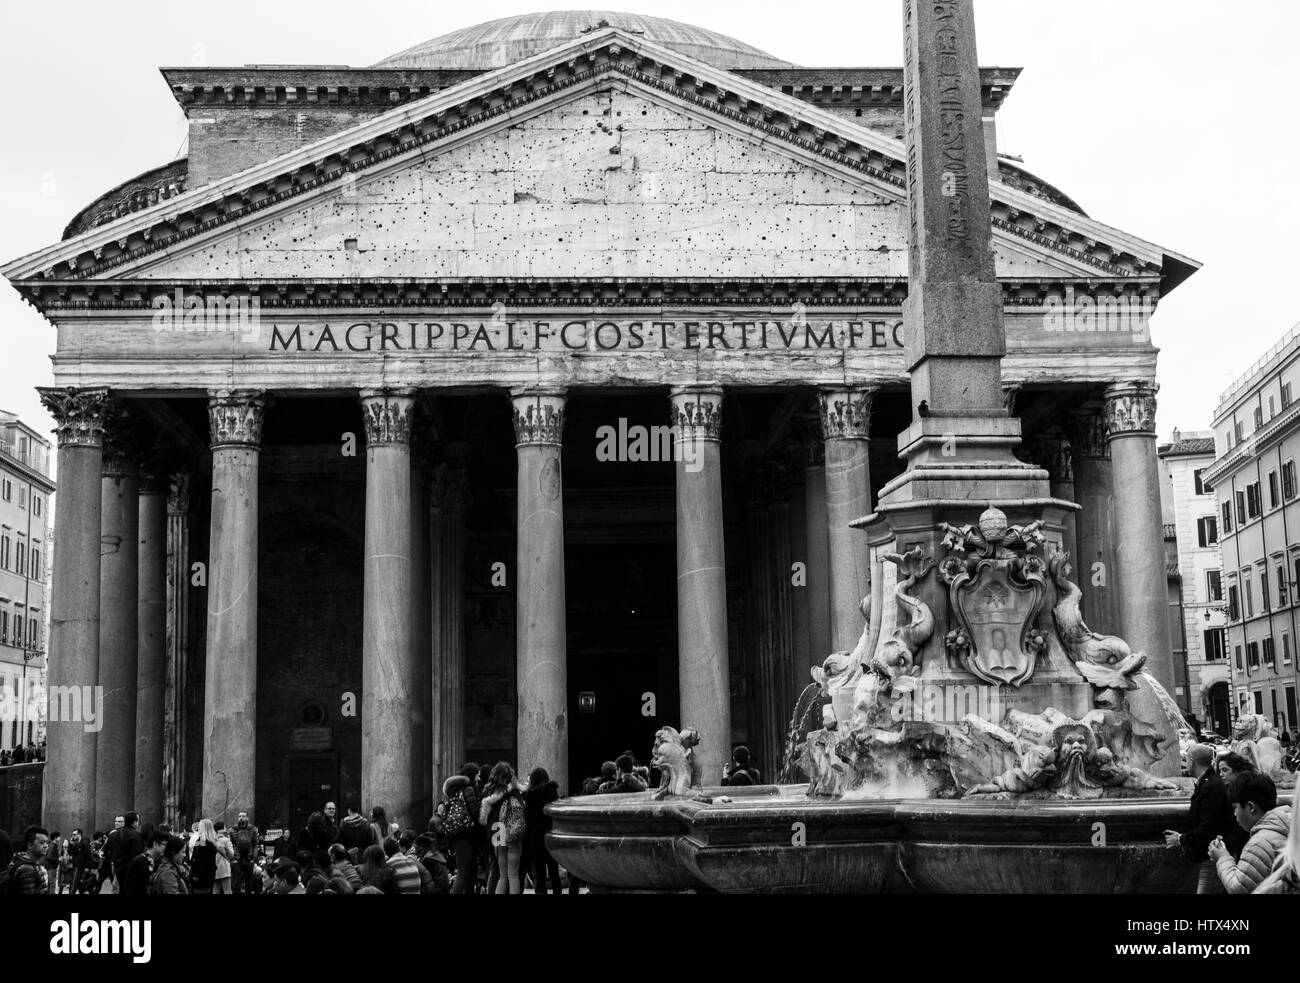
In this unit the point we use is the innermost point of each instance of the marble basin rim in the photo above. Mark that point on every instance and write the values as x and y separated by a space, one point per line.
771 838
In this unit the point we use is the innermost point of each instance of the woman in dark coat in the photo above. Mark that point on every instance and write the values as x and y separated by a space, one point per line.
316 840
540 791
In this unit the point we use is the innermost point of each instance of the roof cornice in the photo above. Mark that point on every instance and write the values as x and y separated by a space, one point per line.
502 93
888 293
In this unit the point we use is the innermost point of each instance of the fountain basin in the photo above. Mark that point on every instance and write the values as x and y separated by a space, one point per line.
776 839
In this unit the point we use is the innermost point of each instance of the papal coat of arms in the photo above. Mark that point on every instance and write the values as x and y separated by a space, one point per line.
995 582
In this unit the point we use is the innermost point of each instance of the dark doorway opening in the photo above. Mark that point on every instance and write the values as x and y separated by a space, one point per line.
620 582
622 651
310 780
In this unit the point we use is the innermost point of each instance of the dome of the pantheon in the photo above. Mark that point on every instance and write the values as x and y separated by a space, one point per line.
511 39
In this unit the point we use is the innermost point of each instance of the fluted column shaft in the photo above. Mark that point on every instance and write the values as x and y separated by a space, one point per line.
846 422
541 666
151 669
818 555
1094 564
230 675
447 588
69 780
703 664
388 678
118 621
175 745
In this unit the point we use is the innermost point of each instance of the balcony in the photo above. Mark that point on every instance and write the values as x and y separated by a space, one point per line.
1171 534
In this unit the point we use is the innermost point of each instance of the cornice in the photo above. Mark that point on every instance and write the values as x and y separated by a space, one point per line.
298 294
1258 441
507 93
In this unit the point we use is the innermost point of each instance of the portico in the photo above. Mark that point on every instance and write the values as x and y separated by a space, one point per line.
400 549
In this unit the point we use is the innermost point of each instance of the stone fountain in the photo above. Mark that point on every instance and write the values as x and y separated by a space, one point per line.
980 737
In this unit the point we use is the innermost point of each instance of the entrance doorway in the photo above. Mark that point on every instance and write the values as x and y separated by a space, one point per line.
620 583
622 617
310 780
1220 709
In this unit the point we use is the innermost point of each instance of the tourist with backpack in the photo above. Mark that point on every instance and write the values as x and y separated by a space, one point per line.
459 815
26 872
502 814
170 876
244 839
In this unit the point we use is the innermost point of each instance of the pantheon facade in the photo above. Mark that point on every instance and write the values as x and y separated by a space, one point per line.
511 398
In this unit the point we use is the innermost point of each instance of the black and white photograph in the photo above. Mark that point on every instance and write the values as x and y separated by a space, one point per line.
704 449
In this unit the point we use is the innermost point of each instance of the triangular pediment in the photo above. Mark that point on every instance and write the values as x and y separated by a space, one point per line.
606 156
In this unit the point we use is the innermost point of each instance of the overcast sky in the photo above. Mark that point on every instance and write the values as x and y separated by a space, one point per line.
1173 120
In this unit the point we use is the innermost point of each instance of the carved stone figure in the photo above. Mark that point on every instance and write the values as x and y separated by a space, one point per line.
895 658
1070 765
1254 739
673 754
831 774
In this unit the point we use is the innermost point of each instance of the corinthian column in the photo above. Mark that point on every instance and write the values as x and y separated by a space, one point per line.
387 657
1094 565
1139 539
703 666
449 500
151 671
69 783
118 618
541 662
175 718
230 676
846 421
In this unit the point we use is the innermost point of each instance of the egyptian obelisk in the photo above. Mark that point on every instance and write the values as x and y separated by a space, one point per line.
958 447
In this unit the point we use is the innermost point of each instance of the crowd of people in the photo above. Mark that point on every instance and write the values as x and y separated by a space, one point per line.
1242 836
487 835
19 754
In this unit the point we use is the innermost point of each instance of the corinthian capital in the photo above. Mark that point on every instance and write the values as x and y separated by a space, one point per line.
697 412
539 417
846 412
387 416
1131 408
235 418
78 415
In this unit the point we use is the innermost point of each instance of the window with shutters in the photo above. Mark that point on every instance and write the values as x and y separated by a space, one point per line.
1207 531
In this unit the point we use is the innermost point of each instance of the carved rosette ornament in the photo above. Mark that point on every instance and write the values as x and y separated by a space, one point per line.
1087 429
996 586
697 413
846 413
78 415
386 416
1131 408
539 417
235 418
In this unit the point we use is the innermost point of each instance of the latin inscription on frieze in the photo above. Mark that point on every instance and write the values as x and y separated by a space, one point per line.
584 335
